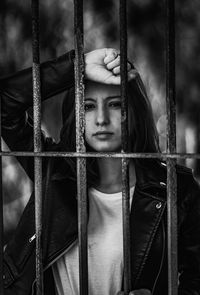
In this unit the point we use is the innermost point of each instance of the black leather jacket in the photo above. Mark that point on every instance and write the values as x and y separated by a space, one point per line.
148 212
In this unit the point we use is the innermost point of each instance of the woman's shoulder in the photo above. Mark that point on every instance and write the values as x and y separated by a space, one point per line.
185 175
186 182
188 189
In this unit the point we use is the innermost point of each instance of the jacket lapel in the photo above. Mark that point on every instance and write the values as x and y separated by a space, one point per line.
62 228
146 213
148 205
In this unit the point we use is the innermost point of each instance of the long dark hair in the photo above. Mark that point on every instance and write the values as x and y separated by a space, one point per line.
143 135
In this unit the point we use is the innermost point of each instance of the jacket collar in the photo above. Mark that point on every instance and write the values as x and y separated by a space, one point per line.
149 172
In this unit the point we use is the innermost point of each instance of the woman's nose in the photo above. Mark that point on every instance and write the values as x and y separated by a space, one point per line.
102 116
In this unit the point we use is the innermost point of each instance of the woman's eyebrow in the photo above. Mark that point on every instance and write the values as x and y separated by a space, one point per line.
107 98
89 98
111 97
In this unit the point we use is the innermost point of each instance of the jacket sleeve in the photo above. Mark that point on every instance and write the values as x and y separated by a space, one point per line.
189 243
17 96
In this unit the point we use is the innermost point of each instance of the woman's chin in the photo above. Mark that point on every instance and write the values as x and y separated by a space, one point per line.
106 149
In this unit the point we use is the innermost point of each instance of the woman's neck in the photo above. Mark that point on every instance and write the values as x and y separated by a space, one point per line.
110 175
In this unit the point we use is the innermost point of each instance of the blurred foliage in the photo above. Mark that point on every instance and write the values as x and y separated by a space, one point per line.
146 47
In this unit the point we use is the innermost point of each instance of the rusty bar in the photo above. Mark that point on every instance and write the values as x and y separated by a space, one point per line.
162 156
124 137
171 148
37 144
1 232
1 222
172 227
80 146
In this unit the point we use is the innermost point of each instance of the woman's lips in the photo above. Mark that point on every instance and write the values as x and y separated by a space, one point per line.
103 134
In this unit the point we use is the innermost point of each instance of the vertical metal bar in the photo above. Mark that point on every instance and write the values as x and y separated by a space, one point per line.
1 221
125 165
37 144
80 146
171 148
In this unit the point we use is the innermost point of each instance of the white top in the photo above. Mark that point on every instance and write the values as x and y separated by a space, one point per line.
105 249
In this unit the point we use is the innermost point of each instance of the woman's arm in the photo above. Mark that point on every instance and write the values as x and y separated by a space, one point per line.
17 96
56 76
101 65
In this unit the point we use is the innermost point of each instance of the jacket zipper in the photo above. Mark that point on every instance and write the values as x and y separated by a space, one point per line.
62 252
162 259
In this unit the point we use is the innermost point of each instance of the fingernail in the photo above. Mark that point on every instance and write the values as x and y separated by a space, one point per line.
132 76
115 54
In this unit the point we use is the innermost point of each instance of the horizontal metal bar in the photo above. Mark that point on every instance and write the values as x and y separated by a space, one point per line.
162 156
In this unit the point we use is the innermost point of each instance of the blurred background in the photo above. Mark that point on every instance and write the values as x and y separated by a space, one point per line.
146 47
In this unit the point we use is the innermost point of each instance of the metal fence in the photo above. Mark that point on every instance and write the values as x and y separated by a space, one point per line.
81 154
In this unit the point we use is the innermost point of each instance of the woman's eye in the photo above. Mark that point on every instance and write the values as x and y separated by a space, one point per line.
89 107
115 104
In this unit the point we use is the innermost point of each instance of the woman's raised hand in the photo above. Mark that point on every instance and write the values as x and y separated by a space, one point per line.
137 292
103 66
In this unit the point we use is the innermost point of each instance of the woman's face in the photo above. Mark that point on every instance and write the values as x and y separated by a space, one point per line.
103 117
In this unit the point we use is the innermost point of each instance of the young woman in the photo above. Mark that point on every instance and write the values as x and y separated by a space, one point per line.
147 189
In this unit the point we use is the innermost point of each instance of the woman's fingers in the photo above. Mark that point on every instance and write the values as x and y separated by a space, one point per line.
113 63
116 70
114 66
111 54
